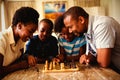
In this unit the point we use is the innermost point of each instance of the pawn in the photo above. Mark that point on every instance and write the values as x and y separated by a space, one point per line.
62 66
51 66
46 65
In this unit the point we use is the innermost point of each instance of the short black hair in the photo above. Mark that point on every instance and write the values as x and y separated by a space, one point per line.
58 24
75 12
48 21
25 15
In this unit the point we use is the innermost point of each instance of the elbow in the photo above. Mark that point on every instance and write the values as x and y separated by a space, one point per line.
104 64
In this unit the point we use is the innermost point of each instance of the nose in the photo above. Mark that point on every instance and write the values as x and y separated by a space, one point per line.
44 33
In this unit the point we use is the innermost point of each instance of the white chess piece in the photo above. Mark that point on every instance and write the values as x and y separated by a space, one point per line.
46 65
50 66
53 64
62 66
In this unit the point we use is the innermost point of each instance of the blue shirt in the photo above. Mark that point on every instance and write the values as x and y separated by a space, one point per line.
44 50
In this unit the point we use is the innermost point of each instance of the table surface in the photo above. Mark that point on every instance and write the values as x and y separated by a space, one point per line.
84 73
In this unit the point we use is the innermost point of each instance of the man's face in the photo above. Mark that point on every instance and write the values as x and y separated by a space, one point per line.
75 26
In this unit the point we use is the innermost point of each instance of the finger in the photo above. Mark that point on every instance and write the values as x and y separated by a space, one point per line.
87 59
82 60
34 62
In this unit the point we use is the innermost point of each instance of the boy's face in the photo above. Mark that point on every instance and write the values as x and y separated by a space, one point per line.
26 31
75 26
66 35
44 31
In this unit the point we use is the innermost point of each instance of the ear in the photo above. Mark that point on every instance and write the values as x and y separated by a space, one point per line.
19 25
81 19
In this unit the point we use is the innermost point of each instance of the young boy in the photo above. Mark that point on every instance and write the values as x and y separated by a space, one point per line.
24 24
71 46
42 46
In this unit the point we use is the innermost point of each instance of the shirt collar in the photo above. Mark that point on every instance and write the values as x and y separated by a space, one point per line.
90 24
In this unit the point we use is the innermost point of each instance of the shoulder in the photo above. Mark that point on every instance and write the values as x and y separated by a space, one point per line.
104 21
34 38
53 38
61 39
6 35
6 38
101 23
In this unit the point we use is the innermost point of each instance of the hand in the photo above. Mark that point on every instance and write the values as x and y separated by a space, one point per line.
56 60
60 57
23 64
32 61
84 59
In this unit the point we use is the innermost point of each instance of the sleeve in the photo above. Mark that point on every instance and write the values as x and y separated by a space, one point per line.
104 35
2 45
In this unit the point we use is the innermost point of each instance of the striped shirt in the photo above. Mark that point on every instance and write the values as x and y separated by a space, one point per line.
72 48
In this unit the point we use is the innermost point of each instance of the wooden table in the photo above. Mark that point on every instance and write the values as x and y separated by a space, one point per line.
85 73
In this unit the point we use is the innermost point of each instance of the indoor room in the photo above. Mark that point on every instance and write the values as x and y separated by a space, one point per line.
59 40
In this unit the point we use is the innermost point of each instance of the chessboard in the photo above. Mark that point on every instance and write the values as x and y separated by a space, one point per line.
60 67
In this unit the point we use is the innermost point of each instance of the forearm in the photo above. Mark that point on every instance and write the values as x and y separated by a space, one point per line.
104 57
14 67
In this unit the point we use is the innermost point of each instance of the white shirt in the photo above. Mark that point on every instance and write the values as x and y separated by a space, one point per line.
8 48
104 32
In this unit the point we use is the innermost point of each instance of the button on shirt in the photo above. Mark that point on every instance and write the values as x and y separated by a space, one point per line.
8 48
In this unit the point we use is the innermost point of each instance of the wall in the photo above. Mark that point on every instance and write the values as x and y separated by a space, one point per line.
107 7
40 9
112 8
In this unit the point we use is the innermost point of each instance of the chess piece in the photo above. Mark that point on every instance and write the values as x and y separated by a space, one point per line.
50 66
46 65
53 64
62 66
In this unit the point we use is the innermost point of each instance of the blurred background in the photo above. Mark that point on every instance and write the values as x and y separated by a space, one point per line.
53 8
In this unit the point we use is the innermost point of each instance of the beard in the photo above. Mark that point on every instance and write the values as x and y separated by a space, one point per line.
80 33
